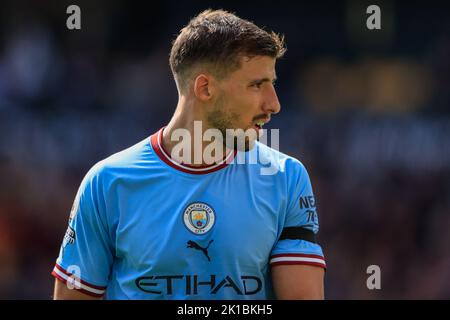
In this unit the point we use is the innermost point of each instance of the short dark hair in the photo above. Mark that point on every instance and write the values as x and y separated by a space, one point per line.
220 38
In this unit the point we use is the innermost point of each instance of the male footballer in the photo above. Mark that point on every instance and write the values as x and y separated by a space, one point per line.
149 222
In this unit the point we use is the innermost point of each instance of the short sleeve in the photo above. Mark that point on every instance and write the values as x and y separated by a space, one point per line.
86 252
297 241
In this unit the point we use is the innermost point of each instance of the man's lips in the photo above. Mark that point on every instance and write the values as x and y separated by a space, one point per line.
260 123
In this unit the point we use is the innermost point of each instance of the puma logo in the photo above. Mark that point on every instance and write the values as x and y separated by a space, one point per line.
193 244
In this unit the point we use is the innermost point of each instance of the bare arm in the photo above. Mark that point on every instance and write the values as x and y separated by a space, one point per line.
62 292
298 282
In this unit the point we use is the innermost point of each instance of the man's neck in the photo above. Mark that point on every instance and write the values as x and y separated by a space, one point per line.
192 120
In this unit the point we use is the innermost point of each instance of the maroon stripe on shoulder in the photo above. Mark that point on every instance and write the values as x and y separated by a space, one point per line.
82 281
92 294
278 263
315 256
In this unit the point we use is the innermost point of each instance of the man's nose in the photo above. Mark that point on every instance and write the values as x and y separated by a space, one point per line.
271 103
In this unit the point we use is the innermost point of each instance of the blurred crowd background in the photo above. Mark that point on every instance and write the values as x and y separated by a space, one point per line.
367 112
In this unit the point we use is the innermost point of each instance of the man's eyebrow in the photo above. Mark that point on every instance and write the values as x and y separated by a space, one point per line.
263 80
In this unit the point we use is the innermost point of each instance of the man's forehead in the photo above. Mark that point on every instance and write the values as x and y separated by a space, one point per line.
257 67
258 61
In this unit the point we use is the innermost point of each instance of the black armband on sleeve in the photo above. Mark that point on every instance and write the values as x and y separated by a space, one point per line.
298 233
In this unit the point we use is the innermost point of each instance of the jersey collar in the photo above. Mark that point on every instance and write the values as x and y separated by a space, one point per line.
156 142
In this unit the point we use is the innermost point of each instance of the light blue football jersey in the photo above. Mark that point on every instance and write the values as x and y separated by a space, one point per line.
146 227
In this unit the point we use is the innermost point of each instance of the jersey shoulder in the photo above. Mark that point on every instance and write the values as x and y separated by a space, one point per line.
279 161
127 161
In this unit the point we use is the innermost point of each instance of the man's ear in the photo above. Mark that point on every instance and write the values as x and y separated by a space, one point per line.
204 87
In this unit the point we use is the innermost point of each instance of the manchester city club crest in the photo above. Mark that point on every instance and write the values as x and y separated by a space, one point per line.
199 218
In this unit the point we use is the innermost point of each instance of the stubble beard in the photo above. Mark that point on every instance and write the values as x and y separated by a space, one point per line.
221 120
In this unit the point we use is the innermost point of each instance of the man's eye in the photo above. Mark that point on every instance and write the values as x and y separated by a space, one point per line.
257 85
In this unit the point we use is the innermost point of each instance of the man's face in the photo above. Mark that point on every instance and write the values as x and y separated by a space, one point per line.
246 99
